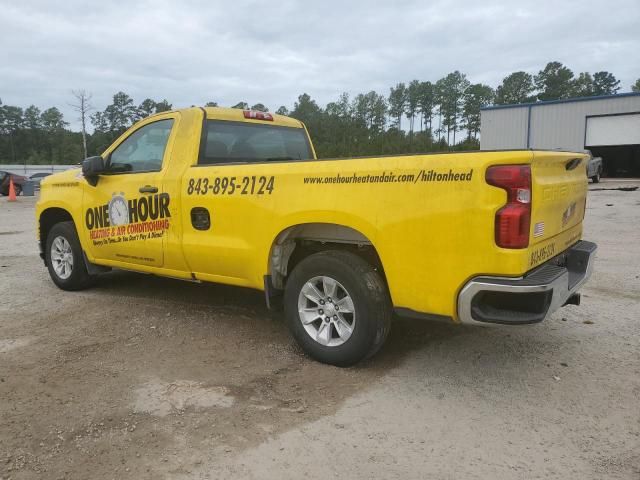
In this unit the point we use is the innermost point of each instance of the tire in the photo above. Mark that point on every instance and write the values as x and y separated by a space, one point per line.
596 178
368 324
66 240
18 190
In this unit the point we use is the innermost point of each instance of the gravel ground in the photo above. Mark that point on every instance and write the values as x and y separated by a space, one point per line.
149 378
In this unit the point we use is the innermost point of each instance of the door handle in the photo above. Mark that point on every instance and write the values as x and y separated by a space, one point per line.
148 189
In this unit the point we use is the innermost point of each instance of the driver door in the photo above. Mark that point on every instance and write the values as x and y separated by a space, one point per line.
126 215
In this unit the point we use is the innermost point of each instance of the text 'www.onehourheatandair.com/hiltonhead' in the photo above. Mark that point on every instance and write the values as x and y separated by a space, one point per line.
423 176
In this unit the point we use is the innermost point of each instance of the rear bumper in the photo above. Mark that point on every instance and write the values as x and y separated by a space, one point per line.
531 298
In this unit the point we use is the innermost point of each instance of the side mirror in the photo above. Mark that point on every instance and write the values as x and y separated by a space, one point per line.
91 168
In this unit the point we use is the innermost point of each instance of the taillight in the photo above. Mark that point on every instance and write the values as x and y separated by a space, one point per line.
257 115
513 221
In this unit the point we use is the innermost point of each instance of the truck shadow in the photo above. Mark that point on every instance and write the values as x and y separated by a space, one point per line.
406 334
241 321
240 317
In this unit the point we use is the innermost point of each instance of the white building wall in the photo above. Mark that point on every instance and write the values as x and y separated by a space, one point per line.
553 125
504 128
562 125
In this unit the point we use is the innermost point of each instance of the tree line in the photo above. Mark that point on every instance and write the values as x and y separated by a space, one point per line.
417 116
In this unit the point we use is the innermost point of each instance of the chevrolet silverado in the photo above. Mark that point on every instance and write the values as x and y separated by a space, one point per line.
239 197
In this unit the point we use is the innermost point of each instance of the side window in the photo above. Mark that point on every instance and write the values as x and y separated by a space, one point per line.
143 150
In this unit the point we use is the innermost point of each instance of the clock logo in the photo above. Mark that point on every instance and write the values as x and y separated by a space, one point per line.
118 210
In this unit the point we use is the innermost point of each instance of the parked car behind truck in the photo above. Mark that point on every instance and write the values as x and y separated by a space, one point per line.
36 178
5 182
239 197
594 169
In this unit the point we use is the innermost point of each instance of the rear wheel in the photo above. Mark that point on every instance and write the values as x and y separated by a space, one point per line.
596 177
65 260
337 308
17 189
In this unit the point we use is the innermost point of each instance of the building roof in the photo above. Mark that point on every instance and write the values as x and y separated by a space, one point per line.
565 100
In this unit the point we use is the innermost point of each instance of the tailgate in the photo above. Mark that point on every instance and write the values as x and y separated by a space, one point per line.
559 193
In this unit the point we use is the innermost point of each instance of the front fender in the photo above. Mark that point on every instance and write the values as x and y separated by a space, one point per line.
62 191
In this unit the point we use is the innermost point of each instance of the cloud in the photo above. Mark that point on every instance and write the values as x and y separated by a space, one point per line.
192 52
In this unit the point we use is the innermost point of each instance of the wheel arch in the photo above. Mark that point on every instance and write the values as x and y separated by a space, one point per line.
47 219
296 242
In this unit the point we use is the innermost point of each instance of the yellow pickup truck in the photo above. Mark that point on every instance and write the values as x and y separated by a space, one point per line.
239 197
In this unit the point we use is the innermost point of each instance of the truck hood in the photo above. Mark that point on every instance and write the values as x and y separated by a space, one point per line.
72 175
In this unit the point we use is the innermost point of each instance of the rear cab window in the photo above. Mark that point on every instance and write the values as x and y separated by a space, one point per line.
240 142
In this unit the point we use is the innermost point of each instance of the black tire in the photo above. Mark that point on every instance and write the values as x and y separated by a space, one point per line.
596 178
371 302
18 190
79 278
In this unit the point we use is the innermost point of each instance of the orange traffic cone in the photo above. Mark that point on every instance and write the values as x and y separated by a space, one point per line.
12 191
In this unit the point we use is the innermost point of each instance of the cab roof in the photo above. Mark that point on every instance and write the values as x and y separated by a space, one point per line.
237 115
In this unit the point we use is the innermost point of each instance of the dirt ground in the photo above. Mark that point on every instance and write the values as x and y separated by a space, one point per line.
150 378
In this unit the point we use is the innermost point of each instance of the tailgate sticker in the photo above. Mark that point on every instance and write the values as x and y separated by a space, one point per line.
538 229
568 213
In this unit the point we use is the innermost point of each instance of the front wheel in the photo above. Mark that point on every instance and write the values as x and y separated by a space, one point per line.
64 258
337 307
596 177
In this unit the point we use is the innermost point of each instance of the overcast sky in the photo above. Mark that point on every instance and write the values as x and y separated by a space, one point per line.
191 52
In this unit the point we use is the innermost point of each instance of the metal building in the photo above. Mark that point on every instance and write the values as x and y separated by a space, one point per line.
609 126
